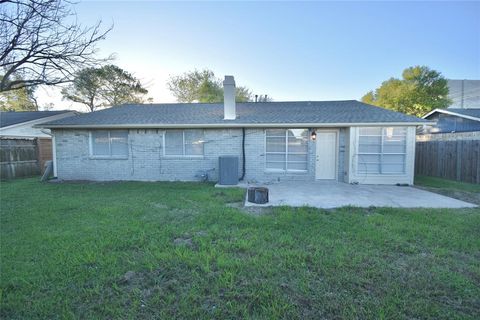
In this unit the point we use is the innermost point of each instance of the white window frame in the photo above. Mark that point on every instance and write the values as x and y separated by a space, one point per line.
381 154
286 153
93 156
183 155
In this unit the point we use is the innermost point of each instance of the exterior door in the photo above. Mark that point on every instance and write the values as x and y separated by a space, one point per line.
326 155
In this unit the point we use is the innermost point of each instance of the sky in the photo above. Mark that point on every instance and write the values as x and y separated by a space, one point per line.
288 50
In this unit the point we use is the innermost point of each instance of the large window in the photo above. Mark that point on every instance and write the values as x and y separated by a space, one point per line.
184 142
109 143
381 150
286 150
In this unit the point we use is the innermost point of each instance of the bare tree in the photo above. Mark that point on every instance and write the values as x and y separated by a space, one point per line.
41 43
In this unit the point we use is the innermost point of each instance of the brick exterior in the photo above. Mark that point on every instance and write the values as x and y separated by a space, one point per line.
146 160
44 152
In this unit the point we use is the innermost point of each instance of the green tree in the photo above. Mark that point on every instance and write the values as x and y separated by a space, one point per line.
18 100
120 86
203 86
420 90
105 86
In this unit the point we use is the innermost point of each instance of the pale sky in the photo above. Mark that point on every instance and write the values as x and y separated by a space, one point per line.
288 50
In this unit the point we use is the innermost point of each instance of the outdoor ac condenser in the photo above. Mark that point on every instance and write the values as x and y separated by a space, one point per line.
228 170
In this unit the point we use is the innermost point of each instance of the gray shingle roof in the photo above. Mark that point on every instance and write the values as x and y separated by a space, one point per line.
195 114
9 118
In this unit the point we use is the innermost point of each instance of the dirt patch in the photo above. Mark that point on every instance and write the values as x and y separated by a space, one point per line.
472 197
219 194
236 205
183 242
201 233
187 239
160 205
256 211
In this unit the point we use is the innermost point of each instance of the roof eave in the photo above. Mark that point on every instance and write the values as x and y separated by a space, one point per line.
450 113
232 125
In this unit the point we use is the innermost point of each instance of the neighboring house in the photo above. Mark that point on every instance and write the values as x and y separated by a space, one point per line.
19 124
452 120
464 93
16 125
347 141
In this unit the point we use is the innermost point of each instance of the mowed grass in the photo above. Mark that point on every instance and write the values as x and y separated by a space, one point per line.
445 184
180 250
468 192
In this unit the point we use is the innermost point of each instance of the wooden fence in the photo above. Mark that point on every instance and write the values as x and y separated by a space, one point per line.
449 158
23 157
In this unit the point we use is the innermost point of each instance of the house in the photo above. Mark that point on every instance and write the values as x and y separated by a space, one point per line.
19 125
346 141
452 120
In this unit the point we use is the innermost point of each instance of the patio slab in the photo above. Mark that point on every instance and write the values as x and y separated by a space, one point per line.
335 194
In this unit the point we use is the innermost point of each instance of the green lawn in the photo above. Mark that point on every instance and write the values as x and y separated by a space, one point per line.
446 184
181 250
464 191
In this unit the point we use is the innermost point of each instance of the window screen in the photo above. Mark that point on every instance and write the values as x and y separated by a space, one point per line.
109 143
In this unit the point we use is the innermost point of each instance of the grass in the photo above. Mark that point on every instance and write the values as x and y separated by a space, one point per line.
461 190
179 250
445 184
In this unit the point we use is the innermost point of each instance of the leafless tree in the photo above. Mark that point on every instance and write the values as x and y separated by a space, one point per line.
42 43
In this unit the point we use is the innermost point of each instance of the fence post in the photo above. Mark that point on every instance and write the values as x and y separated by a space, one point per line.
477 153
458 159
11 165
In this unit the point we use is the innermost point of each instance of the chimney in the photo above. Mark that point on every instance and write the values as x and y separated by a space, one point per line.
229 98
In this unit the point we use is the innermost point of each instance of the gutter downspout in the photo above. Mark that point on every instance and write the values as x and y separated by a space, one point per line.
243 155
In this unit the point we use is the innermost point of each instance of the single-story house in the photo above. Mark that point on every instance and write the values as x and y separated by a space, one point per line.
346 141
20 125
452 120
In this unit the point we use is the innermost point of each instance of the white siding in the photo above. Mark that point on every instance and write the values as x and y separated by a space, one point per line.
26 129
363 178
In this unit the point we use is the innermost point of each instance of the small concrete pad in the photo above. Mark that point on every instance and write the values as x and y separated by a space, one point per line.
336 194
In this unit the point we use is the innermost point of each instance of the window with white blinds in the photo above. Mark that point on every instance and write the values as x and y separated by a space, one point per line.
286 150
184 142
109 143
382 150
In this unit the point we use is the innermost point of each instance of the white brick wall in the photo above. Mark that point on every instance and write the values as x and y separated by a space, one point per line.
146 161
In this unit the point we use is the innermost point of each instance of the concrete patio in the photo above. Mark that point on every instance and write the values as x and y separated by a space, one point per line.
334 194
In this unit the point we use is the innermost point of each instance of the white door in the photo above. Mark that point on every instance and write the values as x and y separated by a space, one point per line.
326 157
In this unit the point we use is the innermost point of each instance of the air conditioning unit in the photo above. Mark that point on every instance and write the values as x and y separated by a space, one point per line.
228 170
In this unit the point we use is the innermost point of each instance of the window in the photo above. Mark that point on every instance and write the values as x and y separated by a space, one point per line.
381 150
109 144
184 142
286 150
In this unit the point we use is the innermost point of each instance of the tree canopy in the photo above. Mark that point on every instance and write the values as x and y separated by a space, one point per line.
420 90
18 100
41 43
203 86
105 86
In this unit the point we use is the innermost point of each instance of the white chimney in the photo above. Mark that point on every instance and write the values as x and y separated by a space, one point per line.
229 98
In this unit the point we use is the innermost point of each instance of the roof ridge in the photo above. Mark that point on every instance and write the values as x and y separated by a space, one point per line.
221 102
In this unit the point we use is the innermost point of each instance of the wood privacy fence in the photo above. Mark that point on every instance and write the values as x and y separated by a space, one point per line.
23 157
451 157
